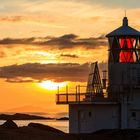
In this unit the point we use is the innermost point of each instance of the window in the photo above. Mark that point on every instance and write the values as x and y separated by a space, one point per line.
133 114
89 114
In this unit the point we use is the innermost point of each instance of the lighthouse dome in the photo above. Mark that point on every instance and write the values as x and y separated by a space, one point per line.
124 30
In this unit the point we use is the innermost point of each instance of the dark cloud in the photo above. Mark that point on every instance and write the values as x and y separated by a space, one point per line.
33 72
63 42
69 55
7 41
71 41
69 37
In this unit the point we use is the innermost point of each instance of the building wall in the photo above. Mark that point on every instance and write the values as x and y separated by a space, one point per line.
86 118
134 110
122 78
121 74
124 84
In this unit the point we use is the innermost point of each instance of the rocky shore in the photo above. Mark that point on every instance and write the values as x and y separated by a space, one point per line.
34 131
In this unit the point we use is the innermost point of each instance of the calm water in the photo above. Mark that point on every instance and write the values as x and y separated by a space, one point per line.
61 125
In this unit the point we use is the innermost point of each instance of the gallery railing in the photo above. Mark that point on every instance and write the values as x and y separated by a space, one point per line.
79 96
71 96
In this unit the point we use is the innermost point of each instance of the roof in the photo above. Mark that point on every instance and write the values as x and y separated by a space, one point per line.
124 30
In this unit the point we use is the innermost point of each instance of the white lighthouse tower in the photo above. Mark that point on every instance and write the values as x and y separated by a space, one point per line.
91 110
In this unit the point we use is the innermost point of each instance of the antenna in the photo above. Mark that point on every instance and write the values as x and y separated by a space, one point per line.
125 13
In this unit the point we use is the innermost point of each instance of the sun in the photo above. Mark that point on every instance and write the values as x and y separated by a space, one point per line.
50 85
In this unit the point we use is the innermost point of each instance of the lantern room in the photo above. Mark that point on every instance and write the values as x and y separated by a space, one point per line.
123 61
124 44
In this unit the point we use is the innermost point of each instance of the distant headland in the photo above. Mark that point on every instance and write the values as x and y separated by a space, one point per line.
20 116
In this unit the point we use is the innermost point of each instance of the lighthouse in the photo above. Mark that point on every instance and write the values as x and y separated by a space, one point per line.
124 73
112 103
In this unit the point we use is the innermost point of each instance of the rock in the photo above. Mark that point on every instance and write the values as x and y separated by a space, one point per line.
9 124
45 127
63 118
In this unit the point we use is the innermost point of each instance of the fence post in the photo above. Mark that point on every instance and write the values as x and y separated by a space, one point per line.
58 94
79 92
76 93
67 94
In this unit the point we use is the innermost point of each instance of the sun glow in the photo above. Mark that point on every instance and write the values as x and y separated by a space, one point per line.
50 85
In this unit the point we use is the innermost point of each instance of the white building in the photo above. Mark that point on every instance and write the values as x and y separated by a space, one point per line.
91 111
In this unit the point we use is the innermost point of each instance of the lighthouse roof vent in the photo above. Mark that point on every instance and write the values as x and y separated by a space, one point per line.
124 30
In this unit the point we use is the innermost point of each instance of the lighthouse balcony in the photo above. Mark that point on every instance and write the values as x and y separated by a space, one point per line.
71 95
95 91
70 98
81 96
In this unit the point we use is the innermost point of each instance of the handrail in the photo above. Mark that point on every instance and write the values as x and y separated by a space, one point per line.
74 97
71 98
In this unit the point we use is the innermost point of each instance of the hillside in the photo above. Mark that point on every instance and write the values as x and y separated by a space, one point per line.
19 116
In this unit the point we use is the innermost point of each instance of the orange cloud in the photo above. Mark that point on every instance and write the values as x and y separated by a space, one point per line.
11 18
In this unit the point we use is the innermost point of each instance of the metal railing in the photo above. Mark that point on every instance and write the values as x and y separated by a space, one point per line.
71 96
79 96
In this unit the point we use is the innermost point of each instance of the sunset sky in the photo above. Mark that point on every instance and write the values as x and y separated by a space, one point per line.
50 43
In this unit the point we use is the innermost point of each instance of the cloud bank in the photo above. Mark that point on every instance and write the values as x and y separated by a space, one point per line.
35 72
66 41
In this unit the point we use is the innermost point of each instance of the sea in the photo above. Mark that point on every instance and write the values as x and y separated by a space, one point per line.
62 125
